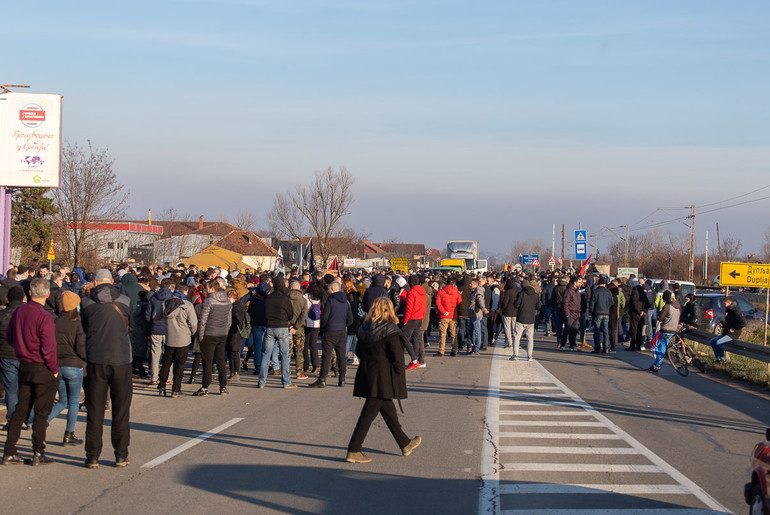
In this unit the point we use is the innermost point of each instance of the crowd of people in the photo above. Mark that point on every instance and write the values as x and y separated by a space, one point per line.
63 331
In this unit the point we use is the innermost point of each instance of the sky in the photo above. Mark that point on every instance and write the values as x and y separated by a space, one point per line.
486 120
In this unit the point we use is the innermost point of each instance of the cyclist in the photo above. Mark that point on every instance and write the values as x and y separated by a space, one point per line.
668 321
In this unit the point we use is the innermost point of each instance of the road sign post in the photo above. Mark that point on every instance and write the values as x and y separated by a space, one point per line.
51 256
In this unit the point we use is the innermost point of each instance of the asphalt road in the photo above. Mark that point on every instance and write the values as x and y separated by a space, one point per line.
685 442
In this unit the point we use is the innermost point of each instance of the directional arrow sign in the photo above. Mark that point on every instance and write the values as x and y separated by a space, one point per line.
755 275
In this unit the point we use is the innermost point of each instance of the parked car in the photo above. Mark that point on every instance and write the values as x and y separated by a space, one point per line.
755 491
712 306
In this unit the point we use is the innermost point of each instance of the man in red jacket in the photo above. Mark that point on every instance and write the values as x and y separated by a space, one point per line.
32 334
416 307
447 300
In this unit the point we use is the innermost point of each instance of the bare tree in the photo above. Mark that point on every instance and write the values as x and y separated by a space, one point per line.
89 192
319 206
731 248
765 251
245 220
172 214
531 247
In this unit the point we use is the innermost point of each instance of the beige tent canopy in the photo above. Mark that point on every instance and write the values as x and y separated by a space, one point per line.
217 256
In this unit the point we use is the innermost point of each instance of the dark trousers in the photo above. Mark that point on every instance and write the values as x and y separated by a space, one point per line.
636 330
177 356
369 412
570 332
333 342
613 328
213 351
463 339
37 388
413 337
311 348
100 378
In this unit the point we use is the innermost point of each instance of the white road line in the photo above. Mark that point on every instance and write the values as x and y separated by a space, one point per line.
550 423
571 413
505 395
580 467
189 444
561 404
567 450
530 388
550 488
563 436
697 491
489 497
632 511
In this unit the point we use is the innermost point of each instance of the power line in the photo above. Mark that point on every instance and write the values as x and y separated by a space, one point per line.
733 198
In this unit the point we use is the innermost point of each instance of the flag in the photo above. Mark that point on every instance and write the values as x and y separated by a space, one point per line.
309 257
585 265
278 262
334 265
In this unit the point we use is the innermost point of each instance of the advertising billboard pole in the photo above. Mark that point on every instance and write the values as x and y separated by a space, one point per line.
5 212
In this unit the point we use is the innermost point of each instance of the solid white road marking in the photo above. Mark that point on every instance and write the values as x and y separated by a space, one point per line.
562 436
550 488
189 444
580 467
567 450
549 423
631 511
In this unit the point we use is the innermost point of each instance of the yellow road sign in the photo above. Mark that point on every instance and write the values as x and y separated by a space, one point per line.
51 255
399 261
756 275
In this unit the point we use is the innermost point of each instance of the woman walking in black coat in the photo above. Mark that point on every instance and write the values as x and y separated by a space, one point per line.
380 378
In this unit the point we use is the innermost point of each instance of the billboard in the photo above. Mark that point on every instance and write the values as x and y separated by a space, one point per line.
30 140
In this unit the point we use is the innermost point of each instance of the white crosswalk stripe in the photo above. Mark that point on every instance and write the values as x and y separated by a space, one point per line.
548 451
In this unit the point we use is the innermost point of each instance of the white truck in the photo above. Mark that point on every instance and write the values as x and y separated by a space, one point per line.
467 251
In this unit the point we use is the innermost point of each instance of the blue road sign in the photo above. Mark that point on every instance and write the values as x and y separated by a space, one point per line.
528 259
580 236
581 251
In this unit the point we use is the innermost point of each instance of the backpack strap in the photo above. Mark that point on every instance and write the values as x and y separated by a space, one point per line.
122 316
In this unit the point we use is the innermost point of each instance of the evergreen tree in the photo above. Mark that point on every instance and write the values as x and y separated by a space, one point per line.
30 223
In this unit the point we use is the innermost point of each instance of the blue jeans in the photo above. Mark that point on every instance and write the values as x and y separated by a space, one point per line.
475 333
484 331
559 323
70 382
651 318
258 339
601 332
548 310
716 344
462 332
282 336
9 370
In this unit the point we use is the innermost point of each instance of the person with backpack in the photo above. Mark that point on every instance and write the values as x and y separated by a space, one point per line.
312 325
181 324
153 313
297 322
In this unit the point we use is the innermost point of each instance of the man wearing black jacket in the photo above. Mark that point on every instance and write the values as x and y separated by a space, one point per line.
278 315
107 321
336 316
638 306
527 304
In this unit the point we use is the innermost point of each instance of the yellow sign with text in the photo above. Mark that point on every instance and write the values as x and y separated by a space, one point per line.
755 275
51 254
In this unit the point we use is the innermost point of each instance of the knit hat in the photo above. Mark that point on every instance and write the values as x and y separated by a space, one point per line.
70 300
103 276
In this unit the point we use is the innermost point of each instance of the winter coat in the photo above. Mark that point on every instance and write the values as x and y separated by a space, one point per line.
70 342
153 313
448 301
734 322
381 372
601 302
354 300
465 291
546 296
375 291
669 317
234 338
278 310
618 304
6 349
527 304
691 313
476 303
309 323
181 322
428 303
638 304
558 295
256 301
507 303
415 304
107 322
571 303
336 314
53 304
299 310
215 315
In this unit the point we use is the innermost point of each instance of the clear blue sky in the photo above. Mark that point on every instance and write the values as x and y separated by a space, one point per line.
460 120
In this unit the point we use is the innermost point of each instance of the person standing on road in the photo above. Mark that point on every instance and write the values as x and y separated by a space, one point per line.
32 333
448 301
668 318
414 313
278 315
638 305
616 314
336 316
508 309
380 379
154 315
107 322
181 324
71 351
213 326
527 305
9 365
571 310
600 305
476 309
297 322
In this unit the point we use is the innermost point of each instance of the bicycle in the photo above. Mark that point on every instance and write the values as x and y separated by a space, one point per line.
681 355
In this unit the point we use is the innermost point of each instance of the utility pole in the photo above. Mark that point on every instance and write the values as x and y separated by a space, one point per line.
719 243
626 241
562 242
706 265
691 261
594 245
553 241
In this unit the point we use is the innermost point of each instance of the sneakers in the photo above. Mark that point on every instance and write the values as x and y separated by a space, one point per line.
91 464
288 386
122 462
175 394
438 355
412 445
513 358
574 349
654 369
203 392
423 365
235 378
302 376
12 459
413 365
530 358
223 391
561 349
355 361
357 457
452 354
40 459
474 353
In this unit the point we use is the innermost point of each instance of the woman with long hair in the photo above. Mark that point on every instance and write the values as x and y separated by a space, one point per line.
380 378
